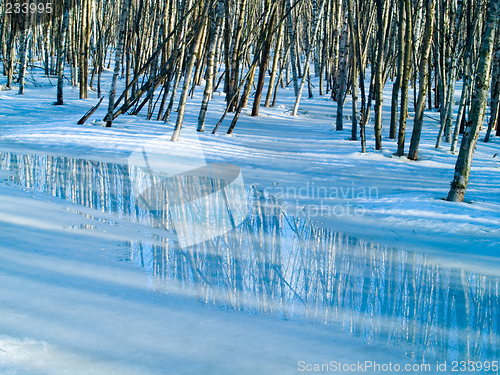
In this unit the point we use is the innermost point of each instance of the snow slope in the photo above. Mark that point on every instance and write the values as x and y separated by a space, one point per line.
405 207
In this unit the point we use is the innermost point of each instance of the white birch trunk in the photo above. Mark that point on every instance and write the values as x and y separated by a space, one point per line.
423 76
478 108
118 56
187 78
207 94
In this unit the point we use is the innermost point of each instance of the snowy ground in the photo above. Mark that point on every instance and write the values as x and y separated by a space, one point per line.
403 202
84 312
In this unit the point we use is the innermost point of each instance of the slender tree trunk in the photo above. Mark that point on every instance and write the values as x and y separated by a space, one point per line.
280 77
227 44
187 78
406 76
207 94
153 69
354 89
291 38
272 79
46 43
61 56
339 123
244 98
358 65
178 76
397 85
461 109
495 92
23 50
423 78
235 52
472 29
379 74
316 18
456 48
478 108
118 57
498 125
11 52
84 48
263 67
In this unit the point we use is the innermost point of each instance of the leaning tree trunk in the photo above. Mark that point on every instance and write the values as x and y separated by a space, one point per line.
478 107
244 98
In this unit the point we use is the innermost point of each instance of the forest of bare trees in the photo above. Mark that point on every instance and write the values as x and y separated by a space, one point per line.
162 51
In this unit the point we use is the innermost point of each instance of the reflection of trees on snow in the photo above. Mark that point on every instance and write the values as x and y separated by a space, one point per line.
275 263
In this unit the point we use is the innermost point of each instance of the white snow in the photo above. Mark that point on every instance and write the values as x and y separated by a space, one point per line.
69 307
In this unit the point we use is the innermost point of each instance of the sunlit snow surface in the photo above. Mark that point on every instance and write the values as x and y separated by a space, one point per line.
276 264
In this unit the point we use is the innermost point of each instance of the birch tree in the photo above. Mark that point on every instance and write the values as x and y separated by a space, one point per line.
406 75
61 56
207 94
399 77
118 58
423 78
379 70
478 108
316 17
189 71
23 50
495 91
